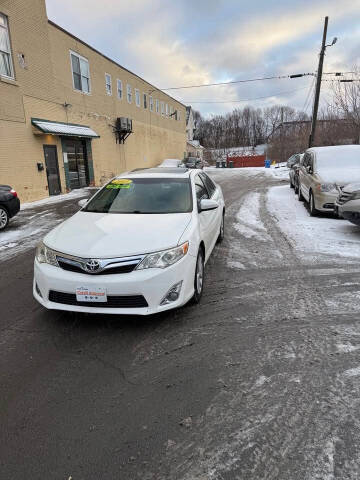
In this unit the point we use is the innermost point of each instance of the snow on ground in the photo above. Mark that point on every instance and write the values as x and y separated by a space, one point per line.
312 235
248 219
81 192
281 173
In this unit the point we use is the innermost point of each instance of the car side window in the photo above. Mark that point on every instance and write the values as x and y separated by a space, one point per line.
208 183
201 191
311 163
306 160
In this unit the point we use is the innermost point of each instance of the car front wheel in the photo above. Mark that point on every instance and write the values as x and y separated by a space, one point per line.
199 277
4 218
222 230
313 210
300 195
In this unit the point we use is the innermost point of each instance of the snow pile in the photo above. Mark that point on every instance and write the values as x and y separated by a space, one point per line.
80 192
249 223
312 235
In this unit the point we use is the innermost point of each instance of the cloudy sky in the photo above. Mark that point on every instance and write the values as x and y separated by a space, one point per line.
188 42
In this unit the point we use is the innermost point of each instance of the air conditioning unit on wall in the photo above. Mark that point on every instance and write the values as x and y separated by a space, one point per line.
122 129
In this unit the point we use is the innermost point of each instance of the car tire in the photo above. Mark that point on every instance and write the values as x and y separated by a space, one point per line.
291 184
199 277
222 229
300 195
4 218
313 210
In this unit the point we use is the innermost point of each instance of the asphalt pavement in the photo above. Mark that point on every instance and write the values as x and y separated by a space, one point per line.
259 381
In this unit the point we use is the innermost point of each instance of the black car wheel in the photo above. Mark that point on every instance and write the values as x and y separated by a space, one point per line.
199 277
300 195
313 210
222 229
4 218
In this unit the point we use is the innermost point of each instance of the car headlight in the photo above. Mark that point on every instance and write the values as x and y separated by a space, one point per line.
328 187
165 258
44 254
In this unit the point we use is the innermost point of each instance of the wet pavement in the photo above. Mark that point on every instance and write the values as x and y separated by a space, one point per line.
259 381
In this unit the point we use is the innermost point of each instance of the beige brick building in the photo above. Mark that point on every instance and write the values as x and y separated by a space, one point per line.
59 104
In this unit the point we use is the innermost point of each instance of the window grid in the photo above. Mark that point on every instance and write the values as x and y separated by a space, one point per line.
151 103
108 85
157 105
129 93
137 97
6 65
145 100
80 72
119 89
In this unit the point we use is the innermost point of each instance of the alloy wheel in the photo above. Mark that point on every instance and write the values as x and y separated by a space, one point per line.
4 218
199 274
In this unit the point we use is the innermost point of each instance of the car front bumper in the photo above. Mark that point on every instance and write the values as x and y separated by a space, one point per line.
350 211
325 201
153 284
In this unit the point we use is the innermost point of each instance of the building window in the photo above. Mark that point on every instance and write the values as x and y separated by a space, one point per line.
80 72
145 100
151 103
137 97
108 86
129 93
6 66
178 114
162 105
157 106
171 112
119 89
167 110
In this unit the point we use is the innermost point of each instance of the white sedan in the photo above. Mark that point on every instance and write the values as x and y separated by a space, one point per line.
138 246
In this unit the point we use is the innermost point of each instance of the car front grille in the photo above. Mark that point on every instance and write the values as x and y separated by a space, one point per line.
344 197
104 266
75 268
113 301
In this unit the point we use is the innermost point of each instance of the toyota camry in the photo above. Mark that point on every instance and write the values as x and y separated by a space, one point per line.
138 246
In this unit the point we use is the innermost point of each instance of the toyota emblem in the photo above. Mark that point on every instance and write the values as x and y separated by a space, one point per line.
92 266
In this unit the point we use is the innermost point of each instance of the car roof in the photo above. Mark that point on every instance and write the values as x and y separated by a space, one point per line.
334 149
161 172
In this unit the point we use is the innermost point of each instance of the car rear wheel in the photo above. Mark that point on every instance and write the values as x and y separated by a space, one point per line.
4 218
199 277
313 210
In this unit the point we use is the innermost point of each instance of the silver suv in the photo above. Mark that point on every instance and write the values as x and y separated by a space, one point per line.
348 203
324 172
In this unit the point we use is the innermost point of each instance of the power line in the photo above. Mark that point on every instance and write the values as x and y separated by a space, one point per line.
239 81
275 77
248 99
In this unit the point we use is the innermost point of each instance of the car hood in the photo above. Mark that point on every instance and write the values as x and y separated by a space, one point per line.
340 176
352 187
106 235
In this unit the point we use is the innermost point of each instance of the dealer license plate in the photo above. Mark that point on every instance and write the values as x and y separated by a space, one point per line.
91 294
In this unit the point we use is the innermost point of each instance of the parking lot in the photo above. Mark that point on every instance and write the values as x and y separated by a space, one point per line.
260 380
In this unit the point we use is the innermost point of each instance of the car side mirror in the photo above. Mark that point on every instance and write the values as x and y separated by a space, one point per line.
82 202
208 204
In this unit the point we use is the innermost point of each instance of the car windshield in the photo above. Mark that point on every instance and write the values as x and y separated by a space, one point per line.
143 195
339 160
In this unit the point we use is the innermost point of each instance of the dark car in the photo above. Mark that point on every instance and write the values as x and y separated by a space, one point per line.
194 162
9 205
293 164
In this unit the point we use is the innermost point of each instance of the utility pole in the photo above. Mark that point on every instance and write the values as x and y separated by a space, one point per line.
318 85
282 136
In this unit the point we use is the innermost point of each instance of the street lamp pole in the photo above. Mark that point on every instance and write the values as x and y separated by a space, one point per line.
318 83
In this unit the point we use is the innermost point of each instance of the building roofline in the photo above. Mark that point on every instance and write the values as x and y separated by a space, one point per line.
110 59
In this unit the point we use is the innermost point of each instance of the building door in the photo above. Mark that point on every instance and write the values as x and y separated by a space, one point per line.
52 169
77 162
